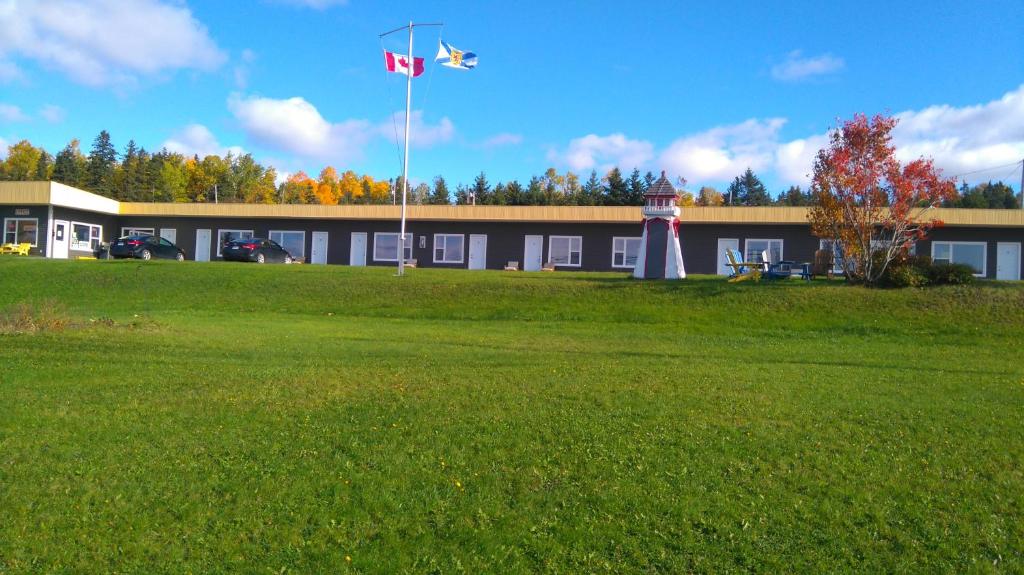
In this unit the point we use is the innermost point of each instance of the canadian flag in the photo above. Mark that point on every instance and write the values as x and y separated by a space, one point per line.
399 64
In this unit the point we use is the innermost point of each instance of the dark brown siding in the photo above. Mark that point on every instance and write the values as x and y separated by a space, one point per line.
41 213
992 236
108 222
700 242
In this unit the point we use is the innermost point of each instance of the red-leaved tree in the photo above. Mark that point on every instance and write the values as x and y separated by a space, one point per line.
869 204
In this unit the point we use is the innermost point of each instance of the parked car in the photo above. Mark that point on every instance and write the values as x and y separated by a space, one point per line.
256 250
145 247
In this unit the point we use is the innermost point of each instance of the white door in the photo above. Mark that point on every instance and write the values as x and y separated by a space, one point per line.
1008 261
169 234
357 253
319 253
60 239
534 253
202 245
726 244
477 251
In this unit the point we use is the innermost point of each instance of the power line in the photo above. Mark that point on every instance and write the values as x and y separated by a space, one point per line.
990 169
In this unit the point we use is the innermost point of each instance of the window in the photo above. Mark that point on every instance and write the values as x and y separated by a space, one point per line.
385 247
136 232
565 250
21 230
837 254
293 242
448 248
970 253
624 251
755 247
225 236
85 237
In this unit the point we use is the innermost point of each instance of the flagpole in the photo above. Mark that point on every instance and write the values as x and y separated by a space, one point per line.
411 70
405 160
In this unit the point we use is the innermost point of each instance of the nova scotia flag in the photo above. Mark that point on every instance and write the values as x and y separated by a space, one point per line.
452 57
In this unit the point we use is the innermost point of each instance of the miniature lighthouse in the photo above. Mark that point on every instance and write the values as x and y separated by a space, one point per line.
660 256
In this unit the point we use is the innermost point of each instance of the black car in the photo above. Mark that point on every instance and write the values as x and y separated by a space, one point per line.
256 250
145 247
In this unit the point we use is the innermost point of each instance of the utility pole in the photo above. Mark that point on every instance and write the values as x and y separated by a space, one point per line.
1022 184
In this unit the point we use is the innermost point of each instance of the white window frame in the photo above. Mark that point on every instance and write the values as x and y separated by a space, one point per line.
240 232
444 249
984 254
757 256
302 255
616 251
16 241
129 231
95 233
579 252
407 244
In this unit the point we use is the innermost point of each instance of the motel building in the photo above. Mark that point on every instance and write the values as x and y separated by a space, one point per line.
62 222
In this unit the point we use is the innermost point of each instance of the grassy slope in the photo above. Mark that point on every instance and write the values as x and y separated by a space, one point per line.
259 418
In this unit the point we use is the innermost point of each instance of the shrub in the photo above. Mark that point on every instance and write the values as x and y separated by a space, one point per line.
951 274
906 271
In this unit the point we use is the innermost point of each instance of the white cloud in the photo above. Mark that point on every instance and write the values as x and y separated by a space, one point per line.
959 140
294 125
794 160
197 139
52 114
796 67
604 152
421 134
11 113
503 139
106 42
723 152
964 139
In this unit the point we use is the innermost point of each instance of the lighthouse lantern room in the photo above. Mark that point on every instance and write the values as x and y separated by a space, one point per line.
660 256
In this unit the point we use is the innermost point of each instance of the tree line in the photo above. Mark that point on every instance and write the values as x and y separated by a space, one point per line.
137 175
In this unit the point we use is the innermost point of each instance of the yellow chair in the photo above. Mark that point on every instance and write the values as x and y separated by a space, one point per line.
742 270
22 249
7 249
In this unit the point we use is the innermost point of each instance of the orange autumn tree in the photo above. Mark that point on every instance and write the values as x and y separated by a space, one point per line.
869 204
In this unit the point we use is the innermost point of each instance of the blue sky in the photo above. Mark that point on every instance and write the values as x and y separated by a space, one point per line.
700 90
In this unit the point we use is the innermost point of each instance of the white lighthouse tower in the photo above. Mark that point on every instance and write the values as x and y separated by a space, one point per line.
660 256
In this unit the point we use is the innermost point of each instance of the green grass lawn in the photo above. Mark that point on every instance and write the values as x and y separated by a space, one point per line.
264 419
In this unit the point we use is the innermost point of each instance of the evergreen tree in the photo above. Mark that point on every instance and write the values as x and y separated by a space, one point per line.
481 190
514 194
794 196
535 192
69 166
499 196
635 189
462 195
748 190
44 168
592 192
648 180
100 169
439 195
617 189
